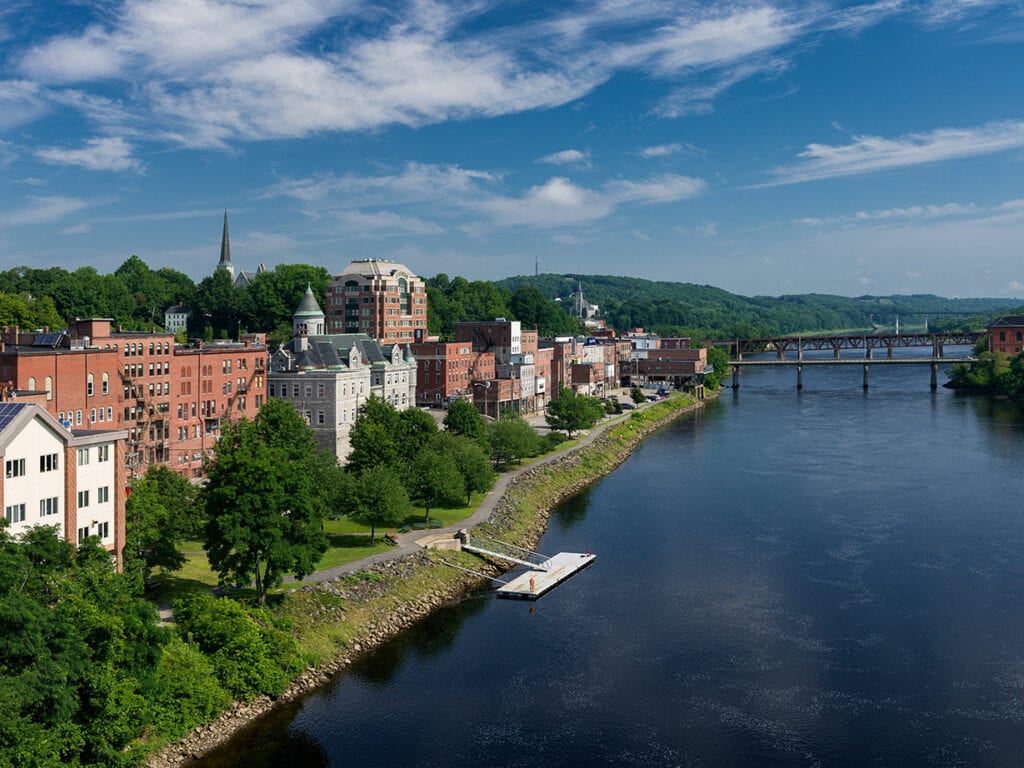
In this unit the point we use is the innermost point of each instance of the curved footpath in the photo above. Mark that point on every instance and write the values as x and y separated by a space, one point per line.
402 562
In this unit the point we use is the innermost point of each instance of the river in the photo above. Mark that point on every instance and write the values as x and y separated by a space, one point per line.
829 578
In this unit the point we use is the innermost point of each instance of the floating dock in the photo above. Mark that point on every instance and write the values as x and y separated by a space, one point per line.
532 584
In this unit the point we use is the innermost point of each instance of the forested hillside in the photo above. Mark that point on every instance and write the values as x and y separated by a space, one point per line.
703 310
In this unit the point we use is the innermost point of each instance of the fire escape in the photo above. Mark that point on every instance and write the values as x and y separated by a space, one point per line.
148 426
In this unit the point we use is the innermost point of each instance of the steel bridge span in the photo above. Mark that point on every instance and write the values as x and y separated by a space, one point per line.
837 343
933 362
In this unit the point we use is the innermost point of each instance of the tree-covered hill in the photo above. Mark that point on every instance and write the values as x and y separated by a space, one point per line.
703 310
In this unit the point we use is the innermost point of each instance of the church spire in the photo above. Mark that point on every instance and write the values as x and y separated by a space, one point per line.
225 249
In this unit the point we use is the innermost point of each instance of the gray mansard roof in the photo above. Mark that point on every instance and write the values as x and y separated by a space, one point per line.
332 351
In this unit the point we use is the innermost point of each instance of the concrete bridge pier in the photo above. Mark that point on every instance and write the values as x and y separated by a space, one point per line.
888 351
865 377
735 377
935 376
799 350
835 352
867 349
799 378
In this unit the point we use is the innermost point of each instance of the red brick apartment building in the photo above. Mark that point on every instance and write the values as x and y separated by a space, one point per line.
1007 335
446 371
382 299
169 399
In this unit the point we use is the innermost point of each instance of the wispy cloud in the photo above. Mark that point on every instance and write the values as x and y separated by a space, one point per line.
661 150
869 154
21 101
104 154
207 73
77 229
454 193
568 157
41 210
895 214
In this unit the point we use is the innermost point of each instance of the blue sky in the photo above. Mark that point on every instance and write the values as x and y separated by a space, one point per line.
765 148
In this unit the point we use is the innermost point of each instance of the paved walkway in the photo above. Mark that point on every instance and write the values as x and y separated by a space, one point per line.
407 541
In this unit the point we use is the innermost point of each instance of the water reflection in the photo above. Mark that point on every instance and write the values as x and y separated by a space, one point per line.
428 637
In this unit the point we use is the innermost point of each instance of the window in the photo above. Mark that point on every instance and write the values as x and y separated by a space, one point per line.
88 385
48 462
110 413
92 415
320 417
78 417
32 383
321 390
103 494
83 499
49 383
48 507
103 530
15 467
83 534
106 383
83 456
15 513
102 453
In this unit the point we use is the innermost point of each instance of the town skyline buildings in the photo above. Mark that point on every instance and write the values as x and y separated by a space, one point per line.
764 148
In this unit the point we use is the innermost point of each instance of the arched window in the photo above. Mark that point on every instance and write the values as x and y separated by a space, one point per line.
32 383
48 383
106 383
89 385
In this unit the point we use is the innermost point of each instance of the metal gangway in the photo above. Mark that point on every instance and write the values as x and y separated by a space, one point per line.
527 557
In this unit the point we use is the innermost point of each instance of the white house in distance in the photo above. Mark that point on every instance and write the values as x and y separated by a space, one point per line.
176 317
74 481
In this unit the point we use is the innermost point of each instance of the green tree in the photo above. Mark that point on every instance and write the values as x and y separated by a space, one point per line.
464 419
435 479
572 412
416 428
264 517
637 395
470 459
152 533
378 499
374 436
718 360
511 437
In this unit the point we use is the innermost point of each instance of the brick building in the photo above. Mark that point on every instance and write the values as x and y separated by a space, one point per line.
445 371
382 299
1007 335
169 399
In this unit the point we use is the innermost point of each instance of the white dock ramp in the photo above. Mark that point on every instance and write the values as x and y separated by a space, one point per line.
532 584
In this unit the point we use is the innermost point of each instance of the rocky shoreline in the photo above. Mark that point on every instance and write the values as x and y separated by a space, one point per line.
387 574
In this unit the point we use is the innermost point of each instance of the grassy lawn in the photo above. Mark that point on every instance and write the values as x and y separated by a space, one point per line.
195 576
345 549
445 515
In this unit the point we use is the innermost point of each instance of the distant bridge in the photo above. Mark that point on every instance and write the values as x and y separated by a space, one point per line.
790 350
797 345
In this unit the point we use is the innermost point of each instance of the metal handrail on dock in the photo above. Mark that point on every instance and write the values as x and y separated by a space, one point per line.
502 556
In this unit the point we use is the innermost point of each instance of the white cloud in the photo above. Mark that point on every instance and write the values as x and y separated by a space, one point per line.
382 223
104 154
77 229
868 154
929 211
661 150
208 72
1016 285
567 157
452 192
21 101
41 210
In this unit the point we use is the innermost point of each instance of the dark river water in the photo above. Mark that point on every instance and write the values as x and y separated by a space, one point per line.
830 578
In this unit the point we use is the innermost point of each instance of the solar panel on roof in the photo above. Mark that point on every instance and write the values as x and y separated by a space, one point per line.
8 411
46 339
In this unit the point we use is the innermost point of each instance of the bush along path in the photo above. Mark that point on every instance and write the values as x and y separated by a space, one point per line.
345 611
